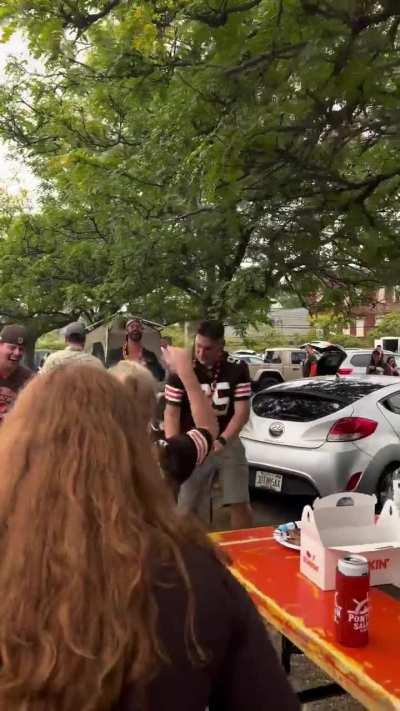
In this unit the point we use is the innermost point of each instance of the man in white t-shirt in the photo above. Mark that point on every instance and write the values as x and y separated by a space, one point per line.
73 353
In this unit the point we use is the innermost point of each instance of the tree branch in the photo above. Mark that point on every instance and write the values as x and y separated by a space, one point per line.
265 58
219 17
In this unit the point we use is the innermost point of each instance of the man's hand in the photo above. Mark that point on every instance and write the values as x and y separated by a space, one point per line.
217 446
178 360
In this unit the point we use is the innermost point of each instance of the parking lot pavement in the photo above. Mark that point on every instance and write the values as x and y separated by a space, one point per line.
268 510
271 510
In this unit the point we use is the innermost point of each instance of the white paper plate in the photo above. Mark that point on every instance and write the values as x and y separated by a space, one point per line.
280 537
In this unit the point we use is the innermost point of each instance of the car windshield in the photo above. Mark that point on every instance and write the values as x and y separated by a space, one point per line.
311 400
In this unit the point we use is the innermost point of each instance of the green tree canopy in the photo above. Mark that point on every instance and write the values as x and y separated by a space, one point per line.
388 326
218 150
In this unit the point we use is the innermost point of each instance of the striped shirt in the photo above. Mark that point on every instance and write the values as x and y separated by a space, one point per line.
184 452
233 384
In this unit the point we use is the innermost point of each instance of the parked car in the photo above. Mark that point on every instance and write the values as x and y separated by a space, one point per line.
243 354
283 364
254 362
357 360
318 436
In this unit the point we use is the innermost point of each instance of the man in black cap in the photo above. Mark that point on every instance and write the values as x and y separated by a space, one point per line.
75 339
13 375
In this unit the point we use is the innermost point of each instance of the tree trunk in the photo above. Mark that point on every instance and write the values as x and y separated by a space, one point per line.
29 355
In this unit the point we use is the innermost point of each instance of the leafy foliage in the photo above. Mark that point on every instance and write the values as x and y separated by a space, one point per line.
388 326
198 156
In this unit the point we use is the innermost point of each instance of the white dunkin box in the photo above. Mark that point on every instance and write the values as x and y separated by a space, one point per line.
343 524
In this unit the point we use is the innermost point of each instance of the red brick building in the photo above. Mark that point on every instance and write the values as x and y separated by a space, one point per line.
367 316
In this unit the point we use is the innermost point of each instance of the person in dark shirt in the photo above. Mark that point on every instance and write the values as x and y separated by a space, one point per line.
226 381
109 598
133 350
390 367
13 375
179 454
377 362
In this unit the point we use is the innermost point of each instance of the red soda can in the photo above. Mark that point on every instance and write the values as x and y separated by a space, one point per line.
351 601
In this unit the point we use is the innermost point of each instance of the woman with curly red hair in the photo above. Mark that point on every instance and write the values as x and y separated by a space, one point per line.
109 600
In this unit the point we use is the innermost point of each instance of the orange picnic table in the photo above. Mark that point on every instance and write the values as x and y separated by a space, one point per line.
303 614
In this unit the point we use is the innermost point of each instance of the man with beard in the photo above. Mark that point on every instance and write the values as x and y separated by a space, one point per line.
13 375
134 350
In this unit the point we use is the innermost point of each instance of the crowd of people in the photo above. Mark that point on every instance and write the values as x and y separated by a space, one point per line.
379 366
111 596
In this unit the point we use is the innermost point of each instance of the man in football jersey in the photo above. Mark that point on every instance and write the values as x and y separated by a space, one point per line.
226 381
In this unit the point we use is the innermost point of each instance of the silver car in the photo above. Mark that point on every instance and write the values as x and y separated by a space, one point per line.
318 436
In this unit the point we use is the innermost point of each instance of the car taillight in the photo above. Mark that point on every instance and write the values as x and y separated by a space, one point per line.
349 429
353 481
345 371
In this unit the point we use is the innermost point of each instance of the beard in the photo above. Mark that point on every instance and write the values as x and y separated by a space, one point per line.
135 336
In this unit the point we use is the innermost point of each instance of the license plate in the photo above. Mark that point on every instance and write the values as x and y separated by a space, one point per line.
269 480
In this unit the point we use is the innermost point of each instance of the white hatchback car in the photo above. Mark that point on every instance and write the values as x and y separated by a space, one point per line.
357 361
318 436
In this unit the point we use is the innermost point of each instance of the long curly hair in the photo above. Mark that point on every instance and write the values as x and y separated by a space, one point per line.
84 521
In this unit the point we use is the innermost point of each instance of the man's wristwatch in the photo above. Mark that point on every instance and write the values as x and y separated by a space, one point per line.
221 440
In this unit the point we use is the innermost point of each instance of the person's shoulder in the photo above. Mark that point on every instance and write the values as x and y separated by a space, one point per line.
173 381
204 565
56 355
236 369
89 357
231 359
53 360
234 363
149 354
207 570
25 372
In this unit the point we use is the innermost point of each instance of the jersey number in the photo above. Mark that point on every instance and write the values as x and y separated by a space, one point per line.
221 403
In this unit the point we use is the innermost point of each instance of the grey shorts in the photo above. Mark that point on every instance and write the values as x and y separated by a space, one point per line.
231 466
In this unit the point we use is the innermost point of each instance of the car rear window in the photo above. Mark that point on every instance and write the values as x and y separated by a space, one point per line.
310 401
361 360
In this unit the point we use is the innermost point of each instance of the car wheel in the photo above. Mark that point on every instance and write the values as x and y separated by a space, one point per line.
384 489
267 382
